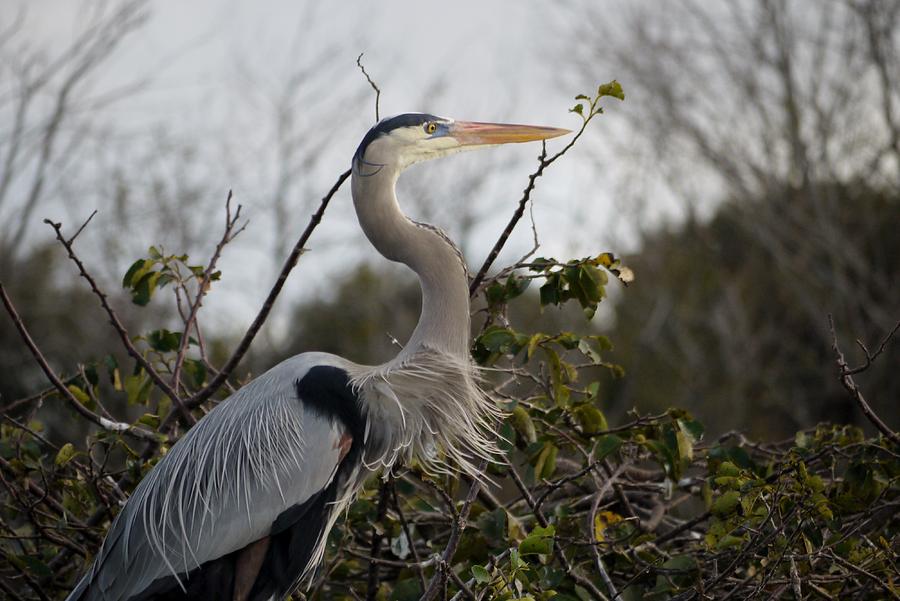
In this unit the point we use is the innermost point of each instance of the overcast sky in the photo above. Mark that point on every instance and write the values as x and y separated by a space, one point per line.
212 67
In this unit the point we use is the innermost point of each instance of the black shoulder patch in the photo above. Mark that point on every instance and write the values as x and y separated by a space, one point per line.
327 391
388 124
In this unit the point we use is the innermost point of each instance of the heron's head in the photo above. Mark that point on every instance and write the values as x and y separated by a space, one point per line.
414 137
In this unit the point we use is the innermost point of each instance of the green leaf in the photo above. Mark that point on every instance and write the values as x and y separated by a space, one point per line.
163 340
541 265
578 108
538 542
590 419
37 567
551 293
729 541
516 286
129 275
533 343
90 372
693 429
557 374
546 461
65 454
497 339
679 570
495 294
143 290
567 340
196 370
592 281
685 446
726 503
589 351
613 88
149 419
728 469
80 395
605 446
137 388
523 424
480 574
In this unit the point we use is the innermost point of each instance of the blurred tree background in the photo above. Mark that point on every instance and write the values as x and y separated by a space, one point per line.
786 116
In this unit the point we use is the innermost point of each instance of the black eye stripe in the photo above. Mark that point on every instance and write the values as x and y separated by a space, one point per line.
388 124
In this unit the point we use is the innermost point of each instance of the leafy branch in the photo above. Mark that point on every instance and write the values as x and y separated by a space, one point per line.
612 89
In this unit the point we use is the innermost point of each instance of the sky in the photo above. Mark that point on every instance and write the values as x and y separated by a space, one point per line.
210 71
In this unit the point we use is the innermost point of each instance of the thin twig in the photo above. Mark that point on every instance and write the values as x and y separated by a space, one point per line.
463 587
371 83
455 536
865 573
203 287
120 329
83 225
32 583
58 384
543 163
598 560
846 375
557 551
423 583
870 357
35 397
517 215
377 538
242 347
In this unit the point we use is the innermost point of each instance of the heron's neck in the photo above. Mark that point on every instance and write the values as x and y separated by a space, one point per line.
444 321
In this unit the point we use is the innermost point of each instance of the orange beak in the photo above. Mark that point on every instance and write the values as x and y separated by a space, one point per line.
470 133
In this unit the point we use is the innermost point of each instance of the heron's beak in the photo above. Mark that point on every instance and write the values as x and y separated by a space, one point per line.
471 133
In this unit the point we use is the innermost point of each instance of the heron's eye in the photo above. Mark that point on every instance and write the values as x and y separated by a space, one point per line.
430 127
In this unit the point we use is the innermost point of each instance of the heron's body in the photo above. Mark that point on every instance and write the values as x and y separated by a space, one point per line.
239 509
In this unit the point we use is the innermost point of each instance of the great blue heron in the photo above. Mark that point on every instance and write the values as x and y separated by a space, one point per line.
240 507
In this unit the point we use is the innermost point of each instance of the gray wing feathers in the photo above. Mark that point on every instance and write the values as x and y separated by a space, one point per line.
222 486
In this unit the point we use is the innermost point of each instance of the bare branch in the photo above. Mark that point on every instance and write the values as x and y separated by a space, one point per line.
216 383
846 375
58 384
459 525
228 235
371 83
120 329
83 225
543 163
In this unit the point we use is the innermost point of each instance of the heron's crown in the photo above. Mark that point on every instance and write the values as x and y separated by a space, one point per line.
388 124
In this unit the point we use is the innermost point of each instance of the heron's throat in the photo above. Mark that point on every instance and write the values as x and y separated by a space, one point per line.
444 320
